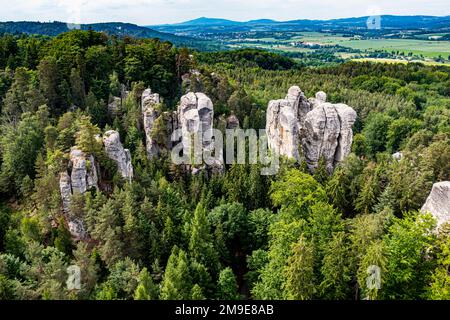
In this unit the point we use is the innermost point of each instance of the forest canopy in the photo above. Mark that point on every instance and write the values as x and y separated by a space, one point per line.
169 234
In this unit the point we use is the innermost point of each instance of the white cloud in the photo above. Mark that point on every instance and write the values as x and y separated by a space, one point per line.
168 11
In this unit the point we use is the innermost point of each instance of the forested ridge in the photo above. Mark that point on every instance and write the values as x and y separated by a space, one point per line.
169 234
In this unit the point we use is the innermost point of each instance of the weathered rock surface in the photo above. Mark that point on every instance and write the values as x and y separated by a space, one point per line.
77 229
320 98
84 172
285 119
438 202
321 133
115 151
195 115
65 187
83 176
282 128
158 125
397 156
347 118
151 112
321 129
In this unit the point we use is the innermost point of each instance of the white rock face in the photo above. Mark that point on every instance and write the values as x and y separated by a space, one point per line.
84 172
77 229
195 115
150 102
115 151
65 187
438 202
321 133
322 129
321 97
83 176
397 156
347 117
285 119
282 128
75 224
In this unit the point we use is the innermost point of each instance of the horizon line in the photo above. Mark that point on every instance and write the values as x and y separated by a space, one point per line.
226 19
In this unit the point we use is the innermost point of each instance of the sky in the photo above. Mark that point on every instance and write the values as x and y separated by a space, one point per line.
152 12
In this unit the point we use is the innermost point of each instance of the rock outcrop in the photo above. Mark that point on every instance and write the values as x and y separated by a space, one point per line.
313 128
195 115
115 151
285 120
158 125
83 176
438 202
65 187
151 112
84 173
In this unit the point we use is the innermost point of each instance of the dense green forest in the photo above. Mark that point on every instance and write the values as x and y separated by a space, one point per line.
111 28
172 235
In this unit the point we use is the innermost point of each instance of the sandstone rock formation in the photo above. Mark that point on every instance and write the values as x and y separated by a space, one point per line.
438 202
115 151
313 128
84 172
83 176
320 98
158 125
347 118
397 156
195 115
151 112
65 187
285 119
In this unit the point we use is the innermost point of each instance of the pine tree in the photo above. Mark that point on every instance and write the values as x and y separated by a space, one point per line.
200 242
374 261
227 288
77 89
299 272
176 284
49 82
86 137
335 269
146 290
84 259
197 293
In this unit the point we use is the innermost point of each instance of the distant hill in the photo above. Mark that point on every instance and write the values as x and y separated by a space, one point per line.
209 21
112 28
388 22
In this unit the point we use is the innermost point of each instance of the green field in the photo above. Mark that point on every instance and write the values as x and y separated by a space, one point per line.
431 49
379 60
426 48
